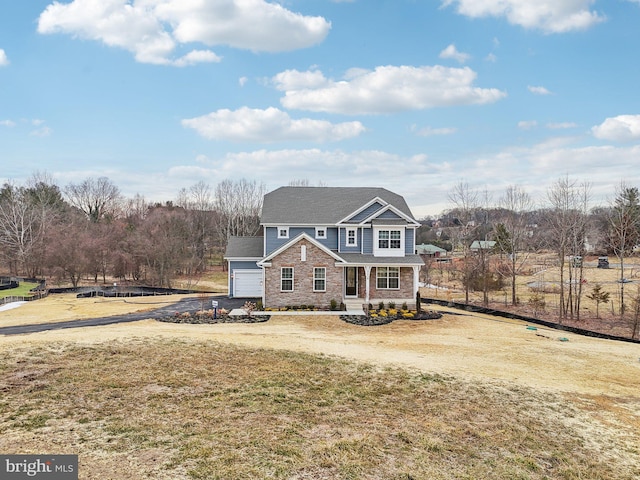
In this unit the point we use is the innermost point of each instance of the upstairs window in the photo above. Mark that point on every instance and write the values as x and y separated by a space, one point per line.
389 239
352 237
283 232
321 232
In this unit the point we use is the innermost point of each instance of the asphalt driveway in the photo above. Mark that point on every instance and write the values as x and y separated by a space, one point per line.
184 305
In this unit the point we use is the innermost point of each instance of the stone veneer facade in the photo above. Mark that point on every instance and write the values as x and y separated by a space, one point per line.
404 293
303 293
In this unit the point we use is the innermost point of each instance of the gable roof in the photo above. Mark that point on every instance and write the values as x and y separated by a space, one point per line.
482 245
292 242
323 205
427 248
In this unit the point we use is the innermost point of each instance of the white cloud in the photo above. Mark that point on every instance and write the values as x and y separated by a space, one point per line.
4 61
453 53
534 168
527 124
549 16
41 132
242 81
623 128
424 181
332 167
429 131
197 56
538 90
561 125
311 79
491 57
254 25
386 89
7 123
153 29
270 125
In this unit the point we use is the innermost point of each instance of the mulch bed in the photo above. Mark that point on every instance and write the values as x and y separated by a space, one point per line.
367 321
206 319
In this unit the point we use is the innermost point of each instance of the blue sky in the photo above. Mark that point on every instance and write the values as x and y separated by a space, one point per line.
411 95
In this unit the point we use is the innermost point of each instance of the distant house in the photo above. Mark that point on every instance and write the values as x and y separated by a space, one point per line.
430 251
484 245
328 243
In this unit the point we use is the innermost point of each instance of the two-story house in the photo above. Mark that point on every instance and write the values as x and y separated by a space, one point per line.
328 243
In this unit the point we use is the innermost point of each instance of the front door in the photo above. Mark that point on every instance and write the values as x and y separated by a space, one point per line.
351 281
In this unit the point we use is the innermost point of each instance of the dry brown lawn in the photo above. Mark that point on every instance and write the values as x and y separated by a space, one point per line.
64 307
297 397
540 269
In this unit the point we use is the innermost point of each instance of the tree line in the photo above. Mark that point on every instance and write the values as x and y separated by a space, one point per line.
564 224
90 230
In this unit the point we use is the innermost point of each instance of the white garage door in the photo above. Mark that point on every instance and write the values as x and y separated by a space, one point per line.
247 283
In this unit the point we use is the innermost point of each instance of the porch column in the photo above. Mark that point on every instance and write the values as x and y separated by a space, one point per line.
416 280
367 274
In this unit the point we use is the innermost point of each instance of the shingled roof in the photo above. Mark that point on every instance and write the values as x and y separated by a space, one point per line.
322 205
244 247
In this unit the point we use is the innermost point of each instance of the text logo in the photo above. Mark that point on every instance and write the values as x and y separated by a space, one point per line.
49 467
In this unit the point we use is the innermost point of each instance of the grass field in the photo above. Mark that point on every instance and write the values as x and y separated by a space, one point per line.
540 275
174 409
64 307
468 396
23 290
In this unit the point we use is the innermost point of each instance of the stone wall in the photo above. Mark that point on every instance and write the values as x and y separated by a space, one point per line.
405 293
303 278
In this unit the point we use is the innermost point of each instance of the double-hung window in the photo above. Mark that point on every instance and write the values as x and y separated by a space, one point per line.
389 239
352 237
286 279
388 278
319 279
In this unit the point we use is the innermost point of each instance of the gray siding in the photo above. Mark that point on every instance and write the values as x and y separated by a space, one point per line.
389 215
239 265
366 213
273 242
367 241
243 265
343 241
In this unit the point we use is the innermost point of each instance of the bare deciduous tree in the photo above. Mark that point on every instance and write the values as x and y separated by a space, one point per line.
624 229
238 204
19 227
199 205
512 232
569 218
97 198
465 201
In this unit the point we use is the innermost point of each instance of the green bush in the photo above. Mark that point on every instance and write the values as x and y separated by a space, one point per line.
333 305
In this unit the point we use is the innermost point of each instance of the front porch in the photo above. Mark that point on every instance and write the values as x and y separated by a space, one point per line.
364 284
